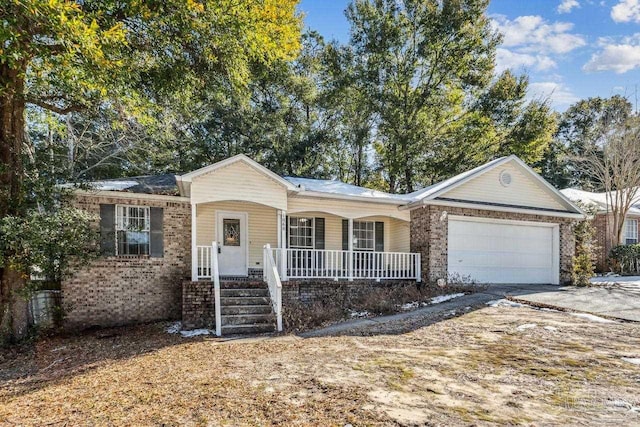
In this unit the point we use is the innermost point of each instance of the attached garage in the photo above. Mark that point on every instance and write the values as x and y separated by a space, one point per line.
503 251
500 223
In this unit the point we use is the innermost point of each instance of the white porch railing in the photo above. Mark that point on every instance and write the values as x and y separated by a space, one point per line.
204 261
326 264
334 264
272 277
207 268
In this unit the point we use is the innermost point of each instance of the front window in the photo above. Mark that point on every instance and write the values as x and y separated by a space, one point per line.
364 235
132 230
301 233
631 231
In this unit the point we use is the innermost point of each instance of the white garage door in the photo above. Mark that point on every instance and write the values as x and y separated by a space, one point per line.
503 251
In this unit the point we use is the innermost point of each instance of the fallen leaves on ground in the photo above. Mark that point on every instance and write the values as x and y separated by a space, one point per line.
476 368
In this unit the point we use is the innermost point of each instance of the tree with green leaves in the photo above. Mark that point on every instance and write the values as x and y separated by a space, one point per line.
69 56
426 68
581 128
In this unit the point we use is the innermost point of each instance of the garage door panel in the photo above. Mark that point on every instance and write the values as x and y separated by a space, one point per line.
464 259
496 252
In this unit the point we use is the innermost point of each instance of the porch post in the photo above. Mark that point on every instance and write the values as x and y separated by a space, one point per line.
194 246
282 244
350 257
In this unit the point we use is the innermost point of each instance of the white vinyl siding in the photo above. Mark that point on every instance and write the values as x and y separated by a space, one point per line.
399 235
631 231
524 189
239 182
262 226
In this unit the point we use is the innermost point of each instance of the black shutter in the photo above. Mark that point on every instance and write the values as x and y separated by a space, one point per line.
108 230
345 234
319 233
156 244
379 236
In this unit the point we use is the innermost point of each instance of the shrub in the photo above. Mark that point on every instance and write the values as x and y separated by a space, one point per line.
626 258
583 262
299 316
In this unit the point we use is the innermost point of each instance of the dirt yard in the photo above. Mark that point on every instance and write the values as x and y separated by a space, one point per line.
508 365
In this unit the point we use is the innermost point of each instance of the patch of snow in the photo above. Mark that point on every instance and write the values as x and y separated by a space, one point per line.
606 280
527 326
113 185
468 307
195 333
435 300
592 318
505 303
634 360
338 187
358 314
442 298
621 404
410 306
174 328
551 328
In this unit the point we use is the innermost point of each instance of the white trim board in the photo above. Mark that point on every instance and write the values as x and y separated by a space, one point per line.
479 206
127 195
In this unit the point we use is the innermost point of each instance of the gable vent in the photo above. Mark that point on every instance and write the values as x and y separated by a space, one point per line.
505 178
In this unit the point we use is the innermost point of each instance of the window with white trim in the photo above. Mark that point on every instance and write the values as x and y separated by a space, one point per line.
132 230
301 232
631 231
364 235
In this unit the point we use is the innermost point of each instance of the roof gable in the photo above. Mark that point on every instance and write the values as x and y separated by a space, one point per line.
484 185
188 177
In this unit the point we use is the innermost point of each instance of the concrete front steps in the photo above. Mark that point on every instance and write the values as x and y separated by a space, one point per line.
246 307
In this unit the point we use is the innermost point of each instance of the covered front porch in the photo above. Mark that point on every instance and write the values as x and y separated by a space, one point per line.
312 242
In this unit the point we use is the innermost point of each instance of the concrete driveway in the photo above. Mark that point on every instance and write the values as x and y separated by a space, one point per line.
617 297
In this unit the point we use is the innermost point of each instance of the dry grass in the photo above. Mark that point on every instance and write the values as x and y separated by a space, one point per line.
474 369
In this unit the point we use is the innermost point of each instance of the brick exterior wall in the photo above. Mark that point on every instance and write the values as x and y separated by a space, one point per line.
603 223
114 291
198 305
429 230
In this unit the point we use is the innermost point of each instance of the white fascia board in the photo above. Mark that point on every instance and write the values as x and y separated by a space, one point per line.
480 206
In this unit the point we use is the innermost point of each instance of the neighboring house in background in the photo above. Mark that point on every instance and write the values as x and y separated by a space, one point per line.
603 222
162 236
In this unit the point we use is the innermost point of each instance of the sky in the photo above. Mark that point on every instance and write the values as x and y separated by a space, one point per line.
571 49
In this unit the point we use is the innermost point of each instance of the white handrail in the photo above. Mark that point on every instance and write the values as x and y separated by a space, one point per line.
272 277
215 273
341 264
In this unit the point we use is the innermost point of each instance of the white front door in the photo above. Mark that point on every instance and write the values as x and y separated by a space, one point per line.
231 234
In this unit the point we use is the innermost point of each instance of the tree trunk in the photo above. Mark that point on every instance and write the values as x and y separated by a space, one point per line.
13 317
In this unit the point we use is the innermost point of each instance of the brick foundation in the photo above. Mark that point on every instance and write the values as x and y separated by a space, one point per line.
114 291
198 305
429 231
310 291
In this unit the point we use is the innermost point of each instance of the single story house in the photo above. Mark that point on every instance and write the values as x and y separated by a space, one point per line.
169 240
603 222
